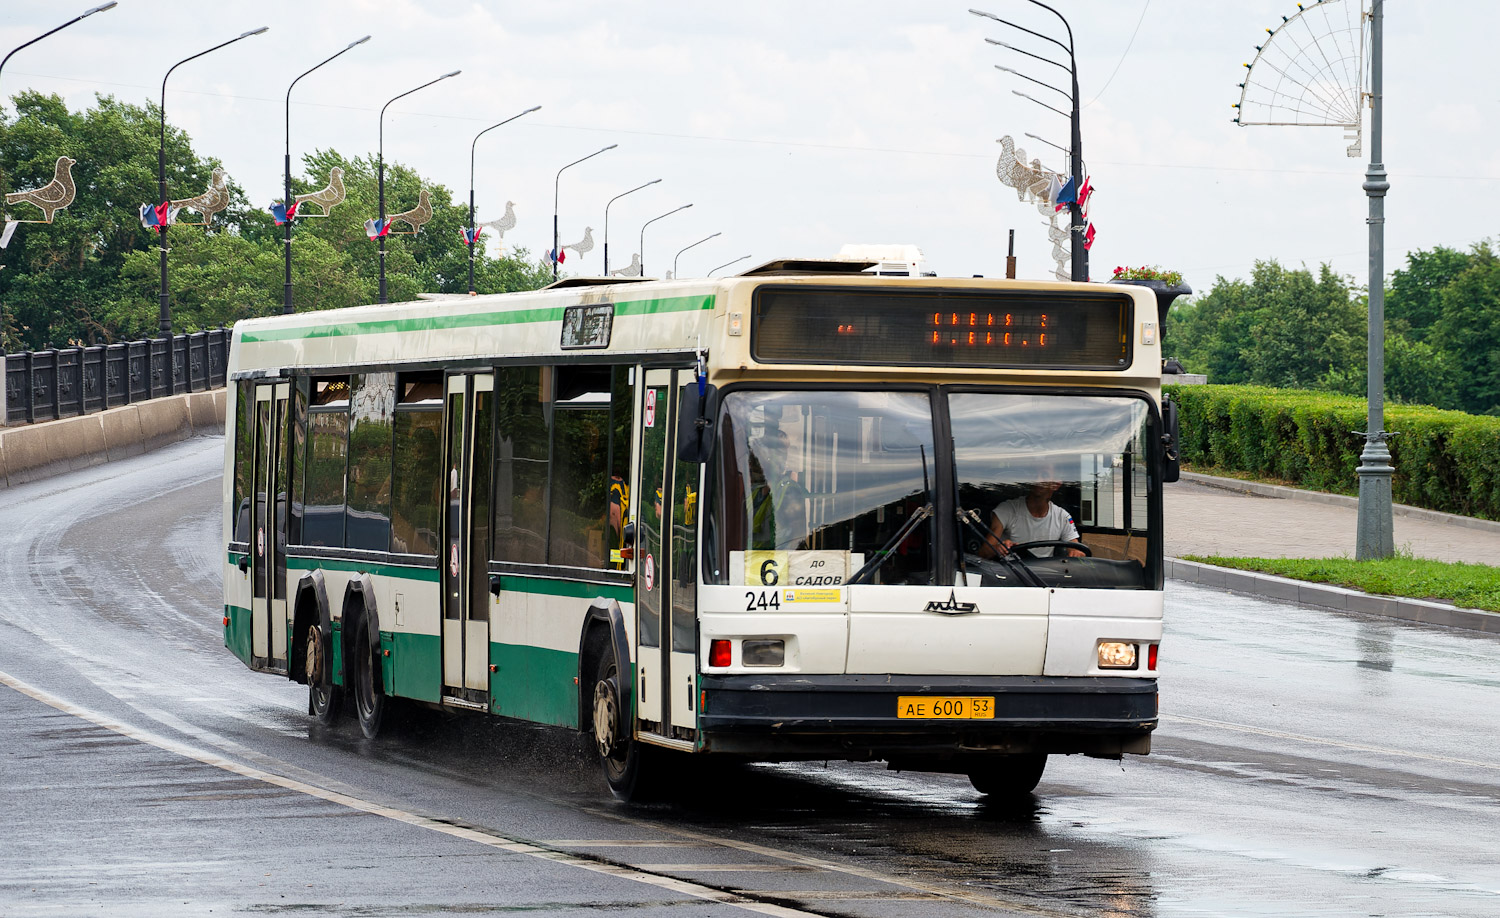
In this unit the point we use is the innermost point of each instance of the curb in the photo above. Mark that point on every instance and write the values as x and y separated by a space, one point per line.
1338 500
1332 597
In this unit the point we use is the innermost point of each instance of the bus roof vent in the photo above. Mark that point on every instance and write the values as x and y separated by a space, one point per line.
594 282
786 266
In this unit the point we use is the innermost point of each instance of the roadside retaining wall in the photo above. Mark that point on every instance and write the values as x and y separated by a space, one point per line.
38 451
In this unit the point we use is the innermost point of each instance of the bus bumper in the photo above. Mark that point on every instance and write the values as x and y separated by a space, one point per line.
854 717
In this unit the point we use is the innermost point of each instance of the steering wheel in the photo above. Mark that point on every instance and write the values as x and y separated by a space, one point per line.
1052 543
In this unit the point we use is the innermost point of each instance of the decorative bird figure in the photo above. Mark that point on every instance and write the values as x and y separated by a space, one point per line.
53 196
505 223
415 218
210 202
631 270
326 198
584 245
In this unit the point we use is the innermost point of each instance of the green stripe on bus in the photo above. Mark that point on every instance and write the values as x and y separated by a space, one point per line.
534 683
572 588
403 571
471 320
237 632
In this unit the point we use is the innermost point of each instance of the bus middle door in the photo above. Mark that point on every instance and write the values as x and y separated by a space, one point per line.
469 420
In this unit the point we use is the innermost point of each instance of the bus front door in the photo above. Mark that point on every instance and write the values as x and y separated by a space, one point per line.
666 566
268 625
466 540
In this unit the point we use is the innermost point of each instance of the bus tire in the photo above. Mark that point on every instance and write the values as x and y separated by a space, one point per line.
369 695
1009 775
630 768
325 701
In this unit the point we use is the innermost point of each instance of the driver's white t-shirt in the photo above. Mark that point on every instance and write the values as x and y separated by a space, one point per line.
1021 526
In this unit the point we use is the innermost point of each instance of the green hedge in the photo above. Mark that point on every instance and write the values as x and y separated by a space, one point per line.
1444 460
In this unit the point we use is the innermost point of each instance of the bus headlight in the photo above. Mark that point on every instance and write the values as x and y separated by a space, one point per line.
1116 655
763 653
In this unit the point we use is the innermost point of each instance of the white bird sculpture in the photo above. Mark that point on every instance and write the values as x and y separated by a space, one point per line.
584 245
326 198
51 197
631 270
210 202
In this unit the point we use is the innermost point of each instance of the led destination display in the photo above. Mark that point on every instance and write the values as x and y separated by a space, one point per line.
986 328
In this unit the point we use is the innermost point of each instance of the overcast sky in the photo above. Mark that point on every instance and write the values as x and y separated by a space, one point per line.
796 127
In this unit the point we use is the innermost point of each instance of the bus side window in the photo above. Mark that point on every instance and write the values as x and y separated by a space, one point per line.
522 445
327 456
244 441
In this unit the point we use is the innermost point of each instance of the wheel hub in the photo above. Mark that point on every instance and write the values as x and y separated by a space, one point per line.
605 721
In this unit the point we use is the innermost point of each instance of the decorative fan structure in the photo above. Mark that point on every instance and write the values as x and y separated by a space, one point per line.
1311 71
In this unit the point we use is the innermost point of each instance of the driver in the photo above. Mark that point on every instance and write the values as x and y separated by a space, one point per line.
1033 518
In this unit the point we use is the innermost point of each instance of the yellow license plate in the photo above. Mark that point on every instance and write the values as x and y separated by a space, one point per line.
945 707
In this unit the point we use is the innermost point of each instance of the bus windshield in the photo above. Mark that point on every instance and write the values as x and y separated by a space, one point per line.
822 488
813 484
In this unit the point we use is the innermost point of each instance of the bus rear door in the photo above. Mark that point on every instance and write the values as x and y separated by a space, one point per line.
268 626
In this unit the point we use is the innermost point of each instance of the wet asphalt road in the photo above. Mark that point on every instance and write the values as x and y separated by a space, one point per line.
1309 763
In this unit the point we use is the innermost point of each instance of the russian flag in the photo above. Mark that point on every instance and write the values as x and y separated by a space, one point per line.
557 256
375 228
1068 195
1088 237
1084 192
471 234
157 216
283 214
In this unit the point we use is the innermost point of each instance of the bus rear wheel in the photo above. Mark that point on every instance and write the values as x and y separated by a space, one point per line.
325 701
1009 775
369 698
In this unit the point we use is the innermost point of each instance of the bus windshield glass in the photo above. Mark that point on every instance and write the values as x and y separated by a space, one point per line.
812 486
1054 468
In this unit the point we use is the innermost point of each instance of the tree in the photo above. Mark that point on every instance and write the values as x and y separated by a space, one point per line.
1413 300
1467 327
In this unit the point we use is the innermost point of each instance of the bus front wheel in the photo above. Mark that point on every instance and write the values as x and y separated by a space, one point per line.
1009 775
325 700
628 765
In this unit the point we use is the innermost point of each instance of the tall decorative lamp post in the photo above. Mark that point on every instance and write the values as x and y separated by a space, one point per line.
1079 246
643 233
556 184
686 247
606 218
380 170
286 293
473 234
1310 72
79 18
164 317
725 265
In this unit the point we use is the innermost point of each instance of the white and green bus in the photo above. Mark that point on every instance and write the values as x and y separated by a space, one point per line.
750 518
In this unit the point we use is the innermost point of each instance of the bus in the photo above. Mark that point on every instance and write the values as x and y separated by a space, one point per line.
750 518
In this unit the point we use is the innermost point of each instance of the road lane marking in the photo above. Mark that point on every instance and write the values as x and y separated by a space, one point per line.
1337 744
498 842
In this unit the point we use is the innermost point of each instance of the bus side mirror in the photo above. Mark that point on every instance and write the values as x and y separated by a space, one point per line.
695 423
1171 463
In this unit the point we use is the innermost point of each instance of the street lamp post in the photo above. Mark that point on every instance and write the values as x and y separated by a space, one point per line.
1080 253
380 169
557 184
164 316
1375 537
472 146
286 293
606 218
643 233
726 264
81 16
685 248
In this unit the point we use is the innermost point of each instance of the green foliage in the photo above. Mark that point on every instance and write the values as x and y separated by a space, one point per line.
1473 586
1444 460
1284 328
93 275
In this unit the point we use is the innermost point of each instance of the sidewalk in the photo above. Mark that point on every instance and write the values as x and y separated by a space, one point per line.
1222 516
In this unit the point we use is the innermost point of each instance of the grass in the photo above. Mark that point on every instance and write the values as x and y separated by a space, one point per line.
1473 586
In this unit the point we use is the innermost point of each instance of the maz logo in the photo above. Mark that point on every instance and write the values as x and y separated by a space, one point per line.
952 606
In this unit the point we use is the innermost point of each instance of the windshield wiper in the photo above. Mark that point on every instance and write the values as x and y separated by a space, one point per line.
884 552
1011 560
